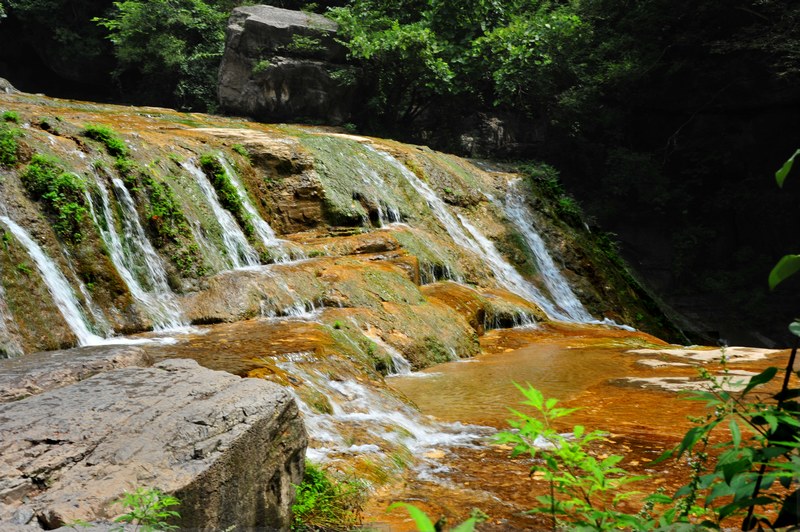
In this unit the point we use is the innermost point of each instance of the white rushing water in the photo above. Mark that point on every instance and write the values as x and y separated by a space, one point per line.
262 229
388 212
384 421
477 243
400 366
63 295
239 251
520 215
134 256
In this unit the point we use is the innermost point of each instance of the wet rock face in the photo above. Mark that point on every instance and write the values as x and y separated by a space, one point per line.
280 64
228 448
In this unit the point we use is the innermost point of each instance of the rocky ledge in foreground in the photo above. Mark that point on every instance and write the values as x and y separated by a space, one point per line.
228 448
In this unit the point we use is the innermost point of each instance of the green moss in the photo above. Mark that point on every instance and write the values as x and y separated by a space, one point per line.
9 145
226 191
61 192
115 146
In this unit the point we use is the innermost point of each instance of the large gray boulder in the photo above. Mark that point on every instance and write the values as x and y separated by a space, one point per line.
282 65
228 448
39 372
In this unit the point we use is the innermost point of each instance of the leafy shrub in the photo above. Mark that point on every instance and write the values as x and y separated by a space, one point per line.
149 509
115 146
62 193
583 490
327 503
8 145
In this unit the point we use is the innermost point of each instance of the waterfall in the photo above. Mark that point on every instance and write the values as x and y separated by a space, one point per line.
134 254
400 366
239 251
262 229
477 243
521 216
57 284
387 209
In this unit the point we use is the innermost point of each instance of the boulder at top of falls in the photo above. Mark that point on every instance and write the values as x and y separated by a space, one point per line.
228 448
283 65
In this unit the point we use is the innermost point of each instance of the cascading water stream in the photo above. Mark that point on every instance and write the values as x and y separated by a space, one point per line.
132 254
262 229
384 421
57 284
387 210
521 216
476 242
240 252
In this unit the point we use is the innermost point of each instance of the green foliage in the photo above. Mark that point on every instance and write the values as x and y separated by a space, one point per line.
149 509
8 145
305 45
324 502
115 146
24 268
583 489
172 47
241 150
757 468
548 183
261 66
62 193
425 524
788 265
164 218
10 116
226 191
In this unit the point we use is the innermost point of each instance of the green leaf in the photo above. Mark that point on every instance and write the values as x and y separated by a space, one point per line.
761 378
786 267
780 175
794 328
423 522
736 434
466 526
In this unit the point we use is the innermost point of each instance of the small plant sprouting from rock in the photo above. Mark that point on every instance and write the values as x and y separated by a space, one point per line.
261 66
324 502
11 116
303 44
149 509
